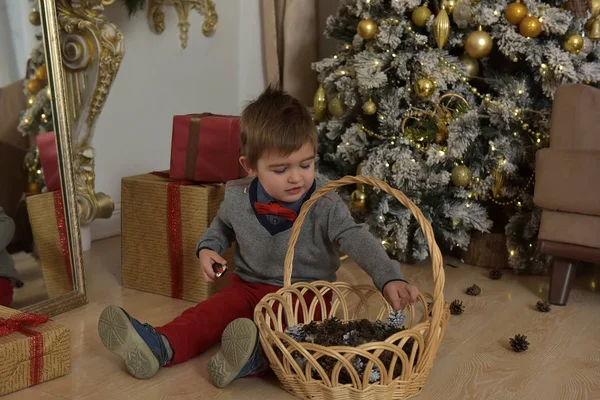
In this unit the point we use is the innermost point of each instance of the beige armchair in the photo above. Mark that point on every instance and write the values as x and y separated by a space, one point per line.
567 186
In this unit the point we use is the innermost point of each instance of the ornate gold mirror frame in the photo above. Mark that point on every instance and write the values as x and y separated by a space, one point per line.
63 129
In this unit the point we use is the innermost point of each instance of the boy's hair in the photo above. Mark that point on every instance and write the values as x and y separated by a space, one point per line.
275 121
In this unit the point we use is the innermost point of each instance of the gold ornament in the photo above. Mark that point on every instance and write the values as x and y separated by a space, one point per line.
499 178
449 5
573 43
44 118
35 18
367 29
387 244
592 25
479 44
370 107
420 16
33 188
49 93
461 176
424 87
337 108
530 26
34 86
471 64
31 100
441 28
359 199
515 12
320 103
41 74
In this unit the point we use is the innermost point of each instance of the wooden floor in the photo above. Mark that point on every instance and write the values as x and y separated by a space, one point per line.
474 361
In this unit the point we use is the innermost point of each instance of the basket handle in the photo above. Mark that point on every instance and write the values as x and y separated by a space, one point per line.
434 250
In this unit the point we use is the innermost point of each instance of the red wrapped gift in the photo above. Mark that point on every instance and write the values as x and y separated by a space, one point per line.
206 148
46 143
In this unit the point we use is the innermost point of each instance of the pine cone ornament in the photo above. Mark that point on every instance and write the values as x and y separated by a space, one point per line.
543 306
456 307
474 290
495 274
519 343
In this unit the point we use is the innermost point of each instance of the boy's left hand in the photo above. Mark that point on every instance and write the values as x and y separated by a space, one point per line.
399 293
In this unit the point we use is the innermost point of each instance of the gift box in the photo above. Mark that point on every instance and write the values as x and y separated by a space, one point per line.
206 148
47 219
46 143
161 224
33 349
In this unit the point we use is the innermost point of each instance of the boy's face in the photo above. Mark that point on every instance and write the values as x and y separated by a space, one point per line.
287 179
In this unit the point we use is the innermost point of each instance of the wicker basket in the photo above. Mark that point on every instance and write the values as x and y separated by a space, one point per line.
288 307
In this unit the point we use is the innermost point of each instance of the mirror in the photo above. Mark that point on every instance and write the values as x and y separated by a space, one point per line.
40 256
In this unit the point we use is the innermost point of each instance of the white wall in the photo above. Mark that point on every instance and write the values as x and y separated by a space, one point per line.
158 79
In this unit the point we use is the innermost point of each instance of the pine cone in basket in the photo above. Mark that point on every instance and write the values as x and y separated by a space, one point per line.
456 307
495 274
474 290
543 306
519 343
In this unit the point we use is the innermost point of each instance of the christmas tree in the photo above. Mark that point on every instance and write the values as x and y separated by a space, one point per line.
37 118
448 101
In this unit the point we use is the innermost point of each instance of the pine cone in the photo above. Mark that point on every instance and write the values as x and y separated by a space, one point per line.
519 343
543 306
456 307
495 274
474 290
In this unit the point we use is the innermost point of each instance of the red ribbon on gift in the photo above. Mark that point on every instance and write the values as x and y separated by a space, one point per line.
175 233
59 213
17 323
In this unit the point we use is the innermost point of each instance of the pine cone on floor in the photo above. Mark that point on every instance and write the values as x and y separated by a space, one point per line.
519 343
456 307
474 290
543 306
495 274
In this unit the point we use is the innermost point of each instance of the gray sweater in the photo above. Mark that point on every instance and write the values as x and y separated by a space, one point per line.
7 265
260 254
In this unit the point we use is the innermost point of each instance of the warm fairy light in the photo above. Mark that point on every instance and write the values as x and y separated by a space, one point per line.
441 153
493 148
387 164
538 140
521 91
518 204
468 205
515 133
512 253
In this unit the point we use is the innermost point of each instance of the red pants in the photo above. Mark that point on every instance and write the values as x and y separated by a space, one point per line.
6 292
200 327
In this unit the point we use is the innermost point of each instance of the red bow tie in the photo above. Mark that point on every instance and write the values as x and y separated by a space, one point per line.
274 208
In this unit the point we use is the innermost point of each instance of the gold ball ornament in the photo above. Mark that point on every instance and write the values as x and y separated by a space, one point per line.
320 103
424 87
530 26
359 199
367 29
420 16
337 108
479 44
35 18
515 12
573 43
471 64
31 100
33 188
449 5
370 107
34 86
41 73
441 28
461 176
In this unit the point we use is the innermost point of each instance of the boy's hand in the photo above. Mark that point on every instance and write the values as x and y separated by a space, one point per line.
399 293
207 259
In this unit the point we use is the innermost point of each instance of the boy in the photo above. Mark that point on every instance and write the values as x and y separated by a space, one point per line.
278 140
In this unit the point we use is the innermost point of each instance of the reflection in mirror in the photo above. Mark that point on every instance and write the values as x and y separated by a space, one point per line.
35 263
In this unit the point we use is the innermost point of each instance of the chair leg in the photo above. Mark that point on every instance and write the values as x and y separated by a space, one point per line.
563 272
